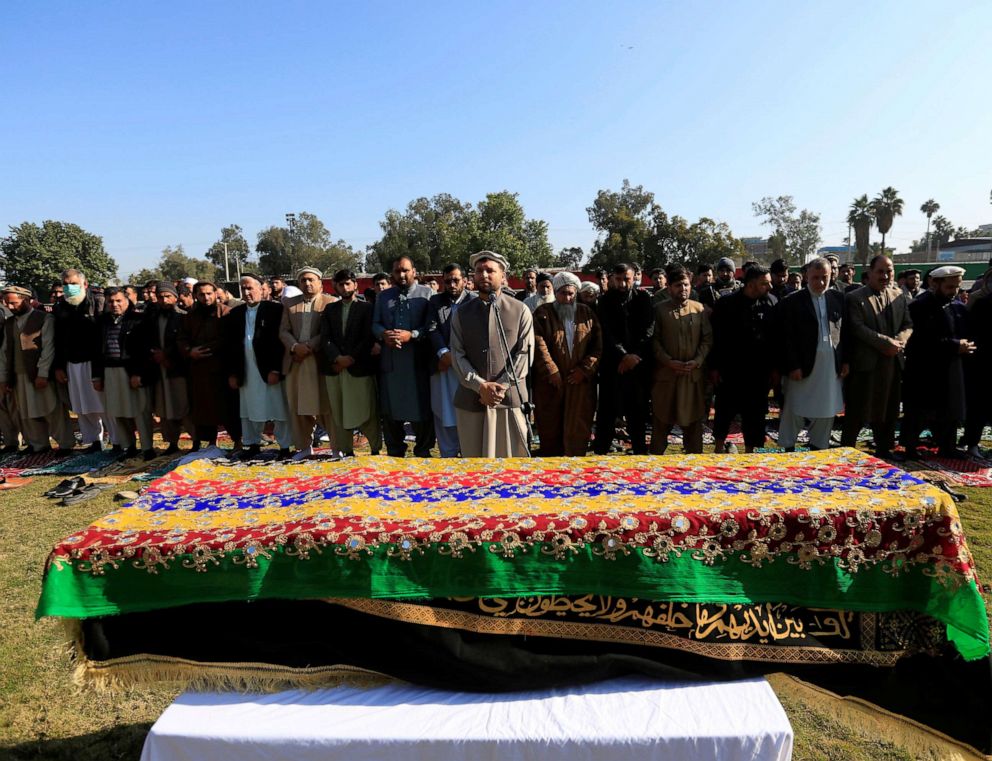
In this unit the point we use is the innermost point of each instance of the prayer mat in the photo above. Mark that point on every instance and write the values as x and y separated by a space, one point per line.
34 460
13 482
501 574
977 473
77 464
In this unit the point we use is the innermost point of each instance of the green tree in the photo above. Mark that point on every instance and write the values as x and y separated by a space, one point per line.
886 206
570 257
929 207
777 245
675 241
306 243
35 256
943 229
861 217
238 250
801 228
625 220
174 265
432 232
500 224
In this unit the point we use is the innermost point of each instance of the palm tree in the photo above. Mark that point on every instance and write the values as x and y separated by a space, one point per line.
929 208
886 206
861 217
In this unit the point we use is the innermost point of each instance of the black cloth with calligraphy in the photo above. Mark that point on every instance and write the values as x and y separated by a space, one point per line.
463 649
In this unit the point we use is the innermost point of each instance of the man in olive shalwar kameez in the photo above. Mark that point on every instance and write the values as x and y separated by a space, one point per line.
400 322
682 339
568 343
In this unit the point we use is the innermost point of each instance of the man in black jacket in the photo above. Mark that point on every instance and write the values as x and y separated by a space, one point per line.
77 338
122 377
811 358
253 357
741 362
347 341
626 317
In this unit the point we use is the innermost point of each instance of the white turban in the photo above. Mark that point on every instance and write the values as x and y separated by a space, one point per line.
564 278
948 270
590 286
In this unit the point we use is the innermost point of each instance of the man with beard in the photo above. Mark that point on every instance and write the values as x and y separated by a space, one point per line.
400 322
978 367
123 377
346 337
911 286
488 401
812 366
9 427
877 325
682 340
273 292
444 380
543 295
253 356
157 337
724 284
780 279
530 285
741 363
845 278
933 385
626 317
77 339
568 343
212 402
25 372
304 364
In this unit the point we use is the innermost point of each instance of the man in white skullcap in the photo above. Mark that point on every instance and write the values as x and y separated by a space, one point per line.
26 369
933 391
303 364
488 401
568 344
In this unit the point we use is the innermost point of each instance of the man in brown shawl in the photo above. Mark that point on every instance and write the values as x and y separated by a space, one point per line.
212 402
568 343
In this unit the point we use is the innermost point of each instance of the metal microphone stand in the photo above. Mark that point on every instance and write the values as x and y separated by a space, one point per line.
525 406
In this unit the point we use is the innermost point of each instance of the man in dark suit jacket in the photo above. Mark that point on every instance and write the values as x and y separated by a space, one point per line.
444 380
347 341
626 316
811 358
254 366
877 326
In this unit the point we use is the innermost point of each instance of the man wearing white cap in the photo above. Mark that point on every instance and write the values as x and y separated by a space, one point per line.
488 401
568 344
933 383
25 372
304 364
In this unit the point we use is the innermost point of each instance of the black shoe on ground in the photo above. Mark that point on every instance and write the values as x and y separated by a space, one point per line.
149 454
891 456
952 454
67 487
171 449
127 454
93 448
10 449
250 452
284 454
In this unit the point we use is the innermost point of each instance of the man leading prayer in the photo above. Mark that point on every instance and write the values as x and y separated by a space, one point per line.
488 401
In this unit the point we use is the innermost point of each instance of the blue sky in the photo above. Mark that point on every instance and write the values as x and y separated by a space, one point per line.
157 124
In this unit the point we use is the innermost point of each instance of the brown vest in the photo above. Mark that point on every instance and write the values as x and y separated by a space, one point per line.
484 347
30 339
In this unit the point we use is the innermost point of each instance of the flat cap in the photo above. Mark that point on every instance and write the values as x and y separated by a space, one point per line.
20 291
166 287
948 270
491 256
311 270
726 262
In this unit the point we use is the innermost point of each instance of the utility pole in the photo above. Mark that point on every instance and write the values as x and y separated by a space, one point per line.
227 265
291 223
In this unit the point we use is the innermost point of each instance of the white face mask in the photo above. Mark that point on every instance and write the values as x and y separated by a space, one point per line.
73 293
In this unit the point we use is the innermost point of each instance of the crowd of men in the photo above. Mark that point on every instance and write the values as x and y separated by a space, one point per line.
465 363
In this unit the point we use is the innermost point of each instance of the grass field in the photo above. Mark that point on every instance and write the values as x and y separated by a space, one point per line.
43 716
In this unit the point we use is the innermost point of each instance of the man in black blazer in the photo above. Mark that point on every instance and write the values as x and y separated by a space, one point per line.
811 358
444 379
626 316
253 354
349 366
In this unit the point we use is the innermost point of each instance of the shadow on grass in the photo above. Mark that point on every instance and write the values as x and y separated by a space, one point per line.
121 742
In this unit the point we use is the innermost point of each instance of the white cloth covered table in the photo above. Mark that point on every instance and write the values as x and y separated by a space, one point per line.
633 719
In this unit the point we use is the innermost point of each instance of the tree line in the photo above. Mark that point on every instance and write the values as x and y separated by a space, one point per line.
631 226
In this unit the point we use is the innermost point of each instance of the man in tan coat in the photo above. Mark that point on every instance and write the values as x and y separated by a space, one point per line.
682 339
568 343
877 326
304 364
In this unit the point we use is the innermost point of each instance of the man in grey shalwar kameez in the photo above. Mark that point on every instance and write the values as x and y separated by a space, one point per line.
400 323
812 370
487 403
25 368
